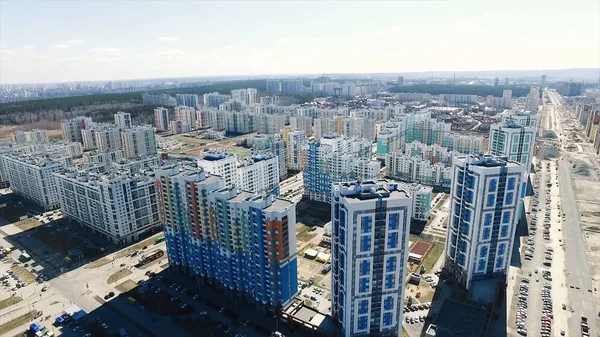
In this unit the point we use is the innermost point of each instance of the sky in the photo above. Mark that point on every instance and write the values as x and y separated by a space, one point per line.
61 41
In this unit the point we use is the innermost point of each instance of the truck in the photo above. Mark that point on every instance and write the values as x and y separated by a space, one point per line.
147 258
585 329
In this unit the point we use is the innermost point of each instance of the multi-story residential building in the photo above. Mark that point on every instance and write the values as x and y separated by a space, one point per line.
421 199
533 100
71 128
161 119
177 127
365 169
323 126
513 141
259 174
295 142
214 99
269 100
522 118
217 120
237 241
413 96
274 144
107 136
135 165
239 122
415 169
232 105
160 100
31 177
268 124
467 144
189 100
458 98
119 206
123 119
185 114
138 141
391 137
248 96
102 158
332 160
485 200
222 164
301 123
504 102
35 136
371 228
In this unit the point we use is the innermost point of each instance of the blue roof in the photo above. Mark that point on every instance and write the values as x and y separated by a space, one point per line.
35 327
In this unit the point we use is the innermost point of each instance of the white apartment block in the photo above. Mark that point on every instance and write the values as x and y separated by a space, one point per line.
504 102
119 206
365 169
232 105
268 109
301 123
189 100
485 199
370 242
107 137
421 199
31 177
214 99
268 124
177 127
35 136
216 119
239 122
248 96
186 114
161 119
522 118
458 98
513 141
467 144
414 169
71 128
138 141
221 164
391 137
323 126
259 174
295 141
123 119
270 100
274 144
102 158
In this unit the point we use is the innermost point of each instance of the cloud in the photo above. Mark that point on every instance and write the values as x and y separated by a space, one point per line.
107 53
28 46
74 41
168 38
170 55
60 46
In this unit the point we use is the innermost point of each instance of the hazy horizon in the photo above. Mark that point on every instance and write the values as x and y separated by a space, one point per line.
58 41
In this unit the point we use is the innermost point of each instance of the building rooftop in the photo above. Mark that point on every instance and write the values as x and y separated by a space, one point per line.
371 189
486 160
215 155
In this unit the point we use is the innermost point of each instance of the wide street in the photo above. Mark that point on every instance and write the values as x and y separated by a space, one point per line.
582 294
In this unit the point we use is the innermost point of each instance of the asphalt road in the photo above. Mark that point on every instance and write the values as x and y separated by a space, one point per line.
579 278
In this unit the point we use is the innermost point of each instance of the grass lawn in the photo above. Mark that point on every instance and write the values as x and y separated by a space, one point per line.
17 322
23 274
126 286
303 232
432 256
7 302
98 263
118 275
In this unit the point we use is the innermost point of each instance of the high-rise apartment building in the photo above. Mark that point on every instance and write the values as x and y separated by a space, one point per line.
259 174
178 127
189 100
35 136
514 141
371 227
119 206
485 198
185 114
138 141
295 141
239 241
71 128
123 119
159 99
222 164
161 119
543 81
31 177
301 123
248 96
214 99
323 126
269 100
274 144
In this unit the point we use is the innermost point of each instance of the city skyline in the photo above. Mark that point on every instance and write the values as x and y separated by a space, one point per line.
323 40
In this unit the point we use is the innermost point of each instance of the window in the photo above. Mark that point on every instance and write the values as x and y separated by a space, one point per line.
466 216
511 184
481 265
499 262
469 196
363 285
365 268
388 303
483 252
501 248
362 322
390 281
394 223
487 233
393 240
366 225
506 217
509 198
363 307
490 200
504 231
365 243
493 185
390 264
488 219
387 319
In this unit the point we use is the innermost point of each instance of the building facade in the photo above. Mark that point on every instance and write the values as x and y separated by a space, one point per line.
513 141
161 119
484 206
123 119
371 226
